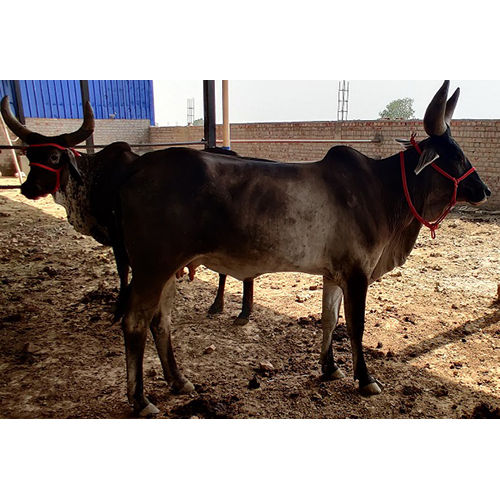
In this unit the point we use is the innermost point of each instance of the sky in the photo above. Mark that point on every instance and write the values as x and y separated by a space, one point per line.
309 100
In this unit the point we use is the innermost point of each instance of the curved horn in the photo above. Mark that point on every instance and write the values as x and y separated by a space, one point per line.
450 107
434 122
12 122
85 130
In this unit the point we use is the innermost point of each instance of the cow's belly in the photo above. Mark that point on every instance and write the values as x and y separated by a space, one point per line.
244 268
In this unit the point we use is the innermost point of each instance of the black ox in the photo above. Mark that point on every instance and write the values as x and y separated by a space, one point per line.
344 217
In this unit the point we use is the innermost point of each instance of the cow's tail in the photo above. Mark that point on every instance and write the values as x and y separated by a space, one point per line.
122 263
121 303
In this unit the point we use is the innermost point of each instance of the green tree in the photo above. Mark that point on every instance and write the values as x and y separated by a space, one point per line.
199 121
399 109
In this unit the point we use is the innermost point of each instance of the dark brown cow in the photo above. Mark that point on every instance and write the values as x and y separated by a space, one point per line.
344 218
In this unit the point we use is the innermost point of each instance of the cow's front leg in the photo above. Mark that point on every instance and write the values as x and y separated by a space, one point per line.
161 327
354 306
247 305
332 298
218 305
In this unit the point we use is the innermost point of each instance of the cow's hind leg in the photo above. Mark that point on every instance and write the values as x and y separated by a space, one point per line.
332 298
161 327
247 305
218 305
142 304
354 306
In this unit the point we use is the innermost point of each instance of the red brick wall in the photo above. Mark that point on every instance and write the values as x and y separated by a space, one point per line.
106 131
479 139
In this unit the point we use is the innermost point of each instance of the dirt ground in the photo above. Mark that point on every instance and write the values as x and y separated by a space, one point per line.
432 332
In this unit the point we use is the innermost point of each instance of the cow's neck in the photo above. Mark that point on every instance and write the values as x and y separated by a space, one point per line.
426 190
403 227
75 196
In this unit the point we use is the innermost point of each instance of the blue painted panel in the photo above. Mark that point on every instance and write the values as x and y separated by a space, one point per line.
125 99
7 88
38 109
27 96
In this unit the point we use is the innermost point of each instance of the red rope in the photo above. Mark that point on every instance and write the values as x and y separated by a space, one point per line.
54 145
50 169
55 170
430 225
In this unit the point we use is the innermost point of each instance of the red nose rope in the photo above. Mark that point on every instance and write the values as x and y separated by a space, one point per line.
431 225
57 171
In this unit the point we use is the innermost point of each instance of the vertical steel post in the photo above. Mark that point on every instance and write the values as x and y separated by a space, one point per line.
84 87
209 113
12 151
226 134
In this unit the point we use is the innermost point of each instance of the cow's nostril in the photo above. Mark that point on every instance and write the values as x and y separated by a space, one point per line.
487 191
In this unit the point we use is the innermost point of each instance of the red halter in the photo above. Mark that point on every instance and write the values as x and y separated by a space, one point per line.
57 171
431 225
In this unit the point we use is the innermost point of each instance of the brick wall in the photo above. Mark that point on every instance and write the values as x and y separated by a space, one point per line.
479 139
106 131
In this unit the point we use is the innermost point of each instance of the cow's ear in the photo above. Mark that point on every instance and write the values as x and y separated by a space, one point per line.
428 155
73 167
405 143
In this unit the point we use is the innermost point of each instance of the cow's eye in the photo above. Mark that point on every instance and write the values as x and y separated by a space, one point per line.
54 158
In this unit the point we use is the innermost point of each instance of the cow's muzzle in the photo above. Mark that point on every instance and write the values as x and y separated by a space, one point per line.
32 192
475 192
486 195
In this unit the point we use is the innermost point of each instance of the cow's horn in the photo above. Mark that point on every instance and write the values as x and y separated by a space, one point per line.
434 119
85 130
12 122
450 107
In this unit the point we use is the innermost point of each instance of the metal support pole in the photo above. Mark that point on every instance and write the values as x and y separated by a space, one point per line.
84 87
226 134
209 112
12 151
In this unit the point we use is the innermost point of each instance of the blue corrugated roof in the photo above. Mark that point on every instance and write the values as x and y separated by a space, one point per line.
124 99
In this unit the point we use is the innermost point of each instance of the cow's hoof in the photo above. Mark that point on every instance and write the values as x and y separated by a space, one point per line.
331 372
150 411
183 386
215 309
338 373
371 389
239 321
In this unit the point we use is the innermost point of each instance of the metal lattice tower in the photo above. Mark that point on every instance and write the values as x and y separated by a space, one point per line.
343 100
190 111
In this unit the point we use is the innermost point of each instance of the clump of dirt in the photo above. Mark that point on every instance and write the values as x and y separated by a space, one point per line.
484 410
100 296
203 407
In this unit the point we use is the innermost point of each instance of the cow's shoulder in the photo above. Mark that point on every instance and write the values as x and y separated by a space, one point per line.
346 162
345 154
180 169
115 152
